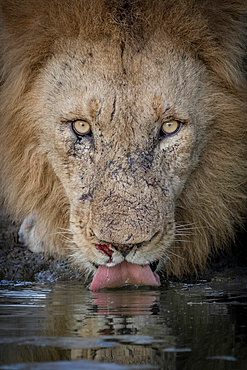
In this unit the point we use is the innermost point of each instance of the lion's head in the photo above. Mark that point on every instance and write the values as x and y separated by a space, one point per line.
124 127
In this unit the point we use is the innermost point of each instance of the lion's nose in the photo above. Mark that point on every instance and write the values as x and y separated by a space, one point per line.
124 249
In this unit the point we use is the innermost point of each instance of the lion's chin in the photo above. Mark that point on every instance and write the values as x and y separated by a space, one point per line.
125 273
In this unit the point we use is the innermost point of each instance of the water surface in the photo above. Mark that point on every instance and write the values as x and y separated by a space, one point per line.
178 326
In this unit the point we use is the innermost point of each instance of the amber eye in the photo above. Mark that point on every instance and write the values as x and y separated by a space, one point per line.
170 127
81 128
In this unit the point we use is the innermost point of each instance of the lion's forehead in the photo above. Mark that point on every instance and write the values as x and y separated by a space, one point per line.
102 79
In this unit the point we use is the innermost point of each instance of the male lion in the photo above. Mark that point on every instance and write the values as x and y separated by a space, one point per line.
123 128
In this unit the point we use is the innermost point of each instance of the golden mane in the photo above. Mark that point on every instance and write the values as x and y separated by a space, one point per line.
213 201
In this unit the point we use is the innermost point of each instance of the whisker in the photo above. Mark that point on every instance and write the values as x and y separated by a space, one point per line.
190 226
66 240
63 232
174 254
181 240
167 258
60 233
64 237
186 224
184 234
66 230
177 247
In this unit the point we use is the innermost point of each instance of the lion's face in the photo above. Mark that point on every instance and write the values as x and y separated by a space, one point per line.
123 128
122 133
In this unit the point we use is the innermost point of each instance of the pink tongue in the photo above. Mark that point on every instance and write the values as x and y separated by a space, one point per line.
125 273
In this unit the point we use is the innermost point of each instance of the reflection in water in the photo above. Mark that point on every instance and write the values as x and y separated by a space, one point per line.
131 302
174 327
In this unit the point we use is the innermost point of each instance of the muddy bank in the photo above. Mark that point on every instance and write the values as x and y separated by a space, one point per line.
18 263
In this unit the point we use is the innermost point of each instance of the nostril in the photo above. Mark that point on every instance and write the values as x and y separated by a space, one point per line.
124 249
138 245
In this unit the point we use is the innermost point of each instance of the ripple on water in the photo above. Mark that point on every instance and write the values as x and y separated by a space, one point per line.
179 326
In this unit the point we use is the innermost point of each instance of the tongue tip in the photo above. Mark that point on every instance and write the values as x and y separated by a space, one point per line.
124 274
157 278
94 287
97 288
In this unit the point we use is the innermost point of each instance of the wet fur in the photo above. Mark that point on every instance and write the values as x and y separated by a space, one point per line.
212 204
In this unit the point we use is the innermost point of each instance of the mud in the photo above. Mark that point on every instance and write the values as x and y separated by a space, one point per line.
18 263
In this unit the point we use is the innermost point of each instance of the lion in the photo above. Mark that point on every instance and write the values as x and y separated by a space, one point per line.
123 132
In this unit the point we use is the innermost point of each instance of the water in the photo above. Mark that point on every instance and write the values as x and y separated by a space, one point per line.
178 326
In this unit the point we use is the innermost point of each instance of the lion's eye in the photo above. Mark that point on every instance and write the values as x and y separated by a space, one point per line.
170 128
81 128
